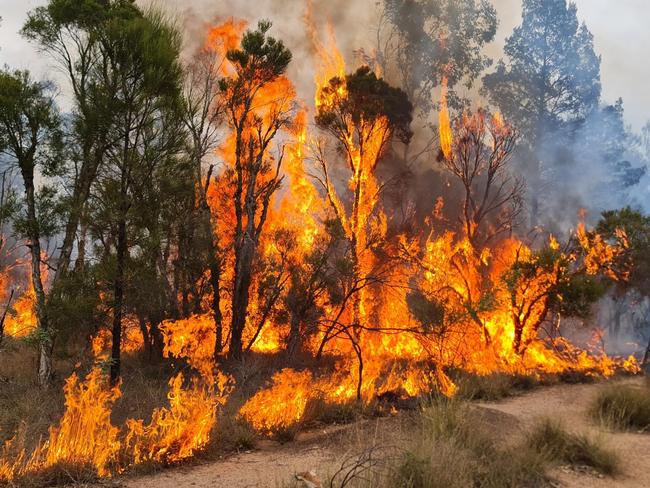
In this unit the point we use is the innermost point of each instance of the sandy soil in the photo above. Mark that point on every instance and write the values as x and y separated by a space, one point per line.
569 403
323 450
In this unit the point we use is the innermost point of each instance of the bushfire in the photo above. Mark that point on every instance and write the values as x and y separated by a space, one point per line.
376 309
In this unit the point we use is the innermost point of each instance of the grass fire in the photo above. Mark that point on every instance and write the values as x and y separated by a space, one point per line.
365 228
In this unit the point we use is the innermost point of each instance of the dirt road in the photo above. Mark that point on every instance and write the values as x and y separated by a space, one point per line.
273 464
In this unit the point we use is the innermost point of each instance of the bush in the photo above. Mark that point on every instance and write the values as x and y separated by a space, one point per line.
455 450
550 439
623 408
494 386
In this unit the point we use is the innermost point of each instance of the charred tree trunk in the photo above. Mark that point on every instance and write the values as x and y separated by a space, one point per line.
146 338
294 339
240 299
4 317
215 278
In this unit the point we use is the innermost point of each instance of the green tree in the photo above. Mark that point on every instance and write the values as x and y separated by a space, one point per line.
30 140
143 77
73 34
549 79
433 39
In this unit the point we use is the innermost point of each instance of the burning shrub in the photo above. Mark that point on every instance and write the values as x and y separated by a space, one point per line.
282 406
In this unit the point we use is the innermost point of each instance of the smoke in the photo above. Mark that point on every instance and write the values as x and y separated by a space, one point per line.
579 171
355 24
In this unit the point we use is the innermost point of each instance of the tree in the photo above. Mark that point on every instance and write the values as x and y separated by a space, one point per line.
73 34
30 139
432 40
258 105
203 114
635 226
550 78
144 74
363 113
479 158
566 279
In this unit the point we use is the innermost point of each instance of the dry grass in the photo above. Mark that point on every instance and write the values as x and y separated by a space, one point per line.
495 386
554 442
623 407
447 446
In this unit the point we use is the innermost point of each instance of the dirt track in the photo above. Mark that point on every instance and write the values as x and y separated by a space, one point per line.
322 451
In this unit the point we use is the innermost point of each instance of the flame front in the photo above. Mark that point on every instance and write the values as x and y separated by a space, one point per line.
384 349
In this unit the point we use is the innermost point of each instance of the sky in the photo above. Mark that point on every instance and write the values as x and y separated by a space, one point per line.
619 28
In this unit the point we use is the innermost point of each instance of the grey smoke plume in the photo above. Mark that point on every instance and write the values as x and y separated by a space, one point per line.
355 24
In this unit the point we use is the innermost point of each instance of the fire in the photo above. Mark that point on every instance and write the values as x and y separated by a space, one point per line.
84 436
283 404
478 307
177 432
444 123
21 318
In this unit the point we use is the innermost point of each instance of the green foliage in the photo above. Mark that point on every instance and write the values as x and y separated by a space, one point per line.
636 260
554 274
552 73
576 294
260 60
29 121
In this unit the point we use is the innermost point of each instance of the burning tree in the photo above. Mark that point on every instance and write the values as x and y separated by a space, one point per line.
566 280
363 113
30 139
478 156
258 105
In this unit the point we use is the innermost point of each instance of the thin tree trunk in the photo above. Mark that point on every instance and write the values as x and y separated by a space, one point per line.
243 271
45 334
118 292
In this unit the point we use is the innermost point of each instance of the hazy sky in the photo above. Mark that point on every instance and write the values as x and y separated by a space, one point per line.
619 27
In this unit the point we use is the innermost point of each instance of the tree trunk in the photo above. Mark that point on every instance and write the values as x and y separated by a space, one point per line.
215 272
146 338
293 341
34 244
243 271
118 292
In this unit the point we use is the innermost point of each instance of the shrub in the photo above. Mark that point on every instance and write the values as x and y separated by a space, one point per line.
623 408
550 439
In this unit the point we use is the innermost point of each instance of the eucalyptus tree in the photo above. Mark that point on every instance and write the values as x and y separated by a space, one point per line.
30 140
255 118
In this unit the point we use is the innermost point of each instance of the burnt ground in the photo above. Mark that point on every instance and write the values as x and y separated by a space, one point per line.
324 449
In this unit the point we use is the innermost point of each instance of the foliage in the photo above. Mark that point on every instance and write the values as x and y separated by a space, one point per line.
636 227
552 74
436 39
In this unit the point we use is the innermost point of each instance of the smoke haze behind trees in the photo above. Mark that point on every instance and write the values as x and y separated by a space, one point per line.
581 182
